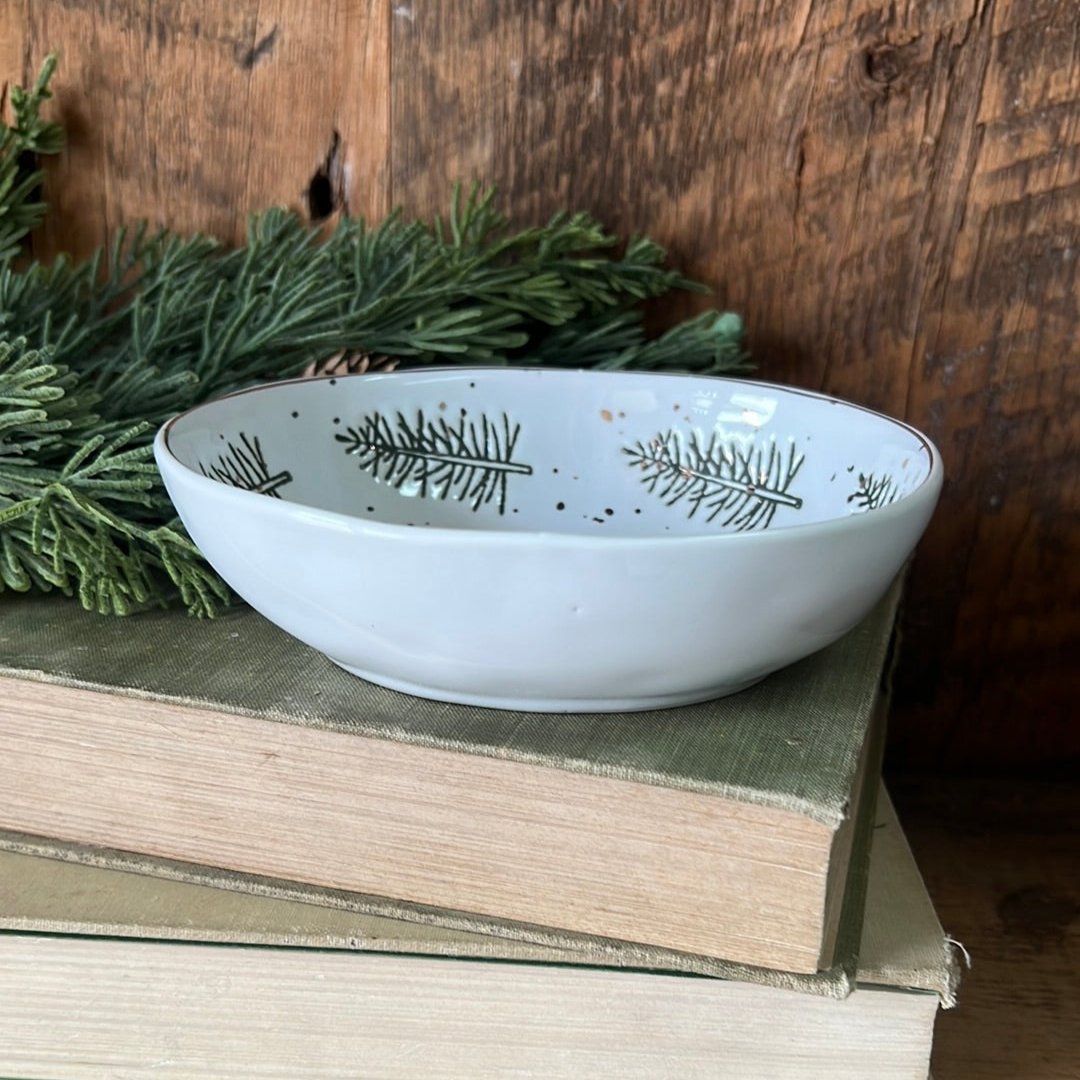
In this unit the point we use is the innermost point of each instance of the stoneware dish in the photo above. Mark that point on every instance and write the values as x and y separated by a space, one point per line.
547 539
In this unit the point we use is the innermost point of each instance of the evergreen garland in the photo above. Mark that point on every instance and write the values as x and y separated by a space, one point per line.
94 356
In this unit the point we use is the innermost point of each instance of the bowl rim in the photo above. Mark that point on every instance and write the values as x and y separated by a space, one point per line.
928 487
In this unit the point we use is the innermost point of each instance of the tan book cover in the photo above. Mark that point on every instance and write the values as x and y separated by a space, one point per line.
114 973
718 830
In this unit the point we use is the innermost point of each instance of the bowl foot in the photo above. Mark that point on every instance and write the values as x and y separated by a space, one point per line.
516 703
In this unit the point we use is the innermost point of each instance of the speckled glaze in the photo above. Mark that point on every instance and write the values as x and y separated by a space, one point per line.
552 540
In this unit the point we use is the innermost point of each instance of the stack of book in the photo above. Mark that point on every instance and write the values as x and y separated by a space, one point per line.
222 856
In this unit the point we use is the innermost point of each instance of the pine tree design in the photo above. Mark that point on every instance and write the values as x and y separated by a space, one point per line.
744 482
470 460
244 466
874 492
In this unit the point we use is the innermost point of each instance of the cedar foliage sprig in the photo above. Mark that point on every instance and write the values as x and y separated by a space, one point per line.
20 143
95 355
82 510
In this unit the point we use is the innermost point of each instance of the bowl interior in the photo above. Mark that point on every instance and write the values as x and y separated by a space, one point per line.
548 450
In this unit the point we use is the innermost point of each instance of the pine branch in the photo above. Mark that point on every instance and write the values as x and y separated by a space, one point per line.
20 143
743 480
874 491
85 513
244 466
708 344
470 460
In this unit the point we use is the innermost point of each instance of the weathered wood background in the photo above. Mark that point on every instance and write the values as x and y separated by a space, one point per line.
889 192
1000 863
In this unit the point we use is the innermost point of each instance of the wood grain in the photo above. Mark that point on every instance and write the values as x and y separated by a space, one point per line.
890 193
190 115
1001 865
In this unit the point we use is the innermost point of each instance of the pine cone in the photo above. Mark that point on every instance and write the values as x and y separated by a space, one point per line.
345 363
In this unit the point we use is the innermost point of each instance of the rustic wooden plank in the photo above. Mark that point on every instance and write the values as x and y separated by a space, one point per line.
190 115
1000 863
889 192
12 11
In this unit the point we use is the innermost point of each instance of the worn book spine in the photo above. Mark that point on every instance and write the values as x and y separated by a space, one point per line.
836 980
91 1008
107 973
901 942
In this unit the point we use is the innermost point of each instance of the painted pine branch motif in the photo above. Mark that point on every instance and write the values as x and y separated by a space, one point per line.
244 466
874 492
742 483
469 459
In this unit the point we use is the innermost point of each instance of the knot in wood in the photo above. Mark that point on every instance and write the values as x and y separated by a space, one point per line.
882 64
878 70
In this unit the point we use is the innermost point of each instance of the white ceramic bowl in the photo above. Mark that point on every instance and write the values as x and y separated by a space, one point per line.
548 539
